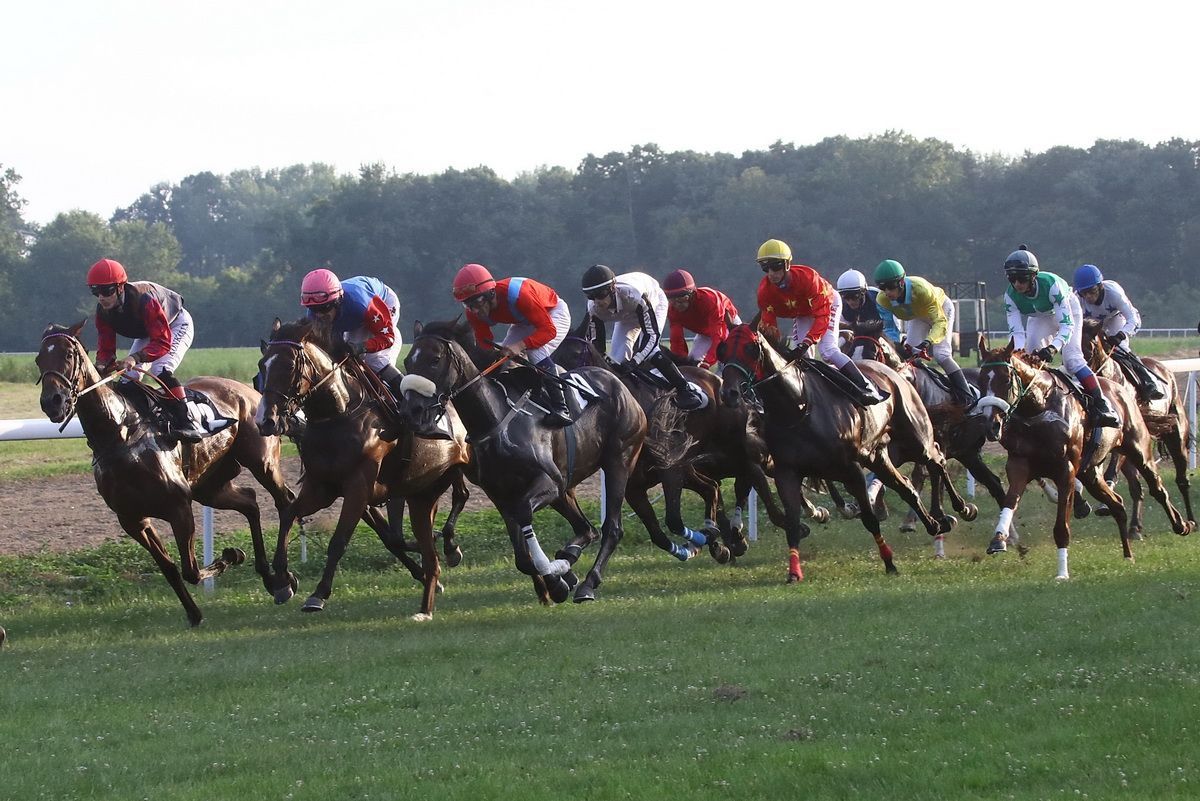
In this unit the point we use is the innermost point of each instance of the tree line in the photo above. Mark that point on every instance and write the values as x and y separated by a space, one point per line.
237 245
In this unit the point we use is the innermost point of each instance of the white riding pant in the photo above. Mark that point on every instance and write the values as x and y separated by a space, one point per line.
942 352
1041 329
828 344
182 334
625 332
701 344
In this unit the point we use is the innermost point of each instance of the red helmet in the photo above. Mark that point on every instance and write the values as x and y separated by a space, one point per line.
320 287
472 280
106 272
679 283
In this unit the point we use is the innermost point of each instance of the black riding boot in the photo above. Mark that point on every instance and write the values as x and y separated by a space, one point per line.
1102 413
392 427
1149 387
560 414
965 394
869 394
181 424
686 397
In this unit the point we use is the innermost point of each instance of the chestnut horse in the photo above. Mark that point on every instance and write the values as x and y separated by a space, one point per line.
1166 419
344 456
140 474
1042 424
522 463
814 429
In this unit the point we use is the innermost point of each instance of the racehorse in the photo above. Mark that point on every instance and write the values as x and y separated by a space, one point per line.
727 444
141 474
1043 425
522 463
814 429
345 456
1166 419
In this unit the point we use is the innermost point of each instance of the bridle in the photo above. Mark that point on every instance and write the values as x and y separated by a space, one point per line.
1014 379
443 399
295 401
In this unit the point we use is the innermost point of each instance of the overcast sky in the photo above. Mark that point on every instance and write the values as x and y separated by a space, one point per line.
101 100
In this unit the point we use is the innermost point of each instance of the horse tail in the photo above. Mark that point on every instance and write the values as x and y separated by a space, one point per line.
667 440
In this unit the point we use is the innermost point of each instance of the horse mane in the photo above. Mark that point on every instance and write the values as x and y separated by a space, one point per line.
457 330
306 330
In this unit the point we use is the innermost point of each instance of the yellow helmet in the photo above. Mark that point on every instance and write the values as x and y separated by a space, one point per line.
775 249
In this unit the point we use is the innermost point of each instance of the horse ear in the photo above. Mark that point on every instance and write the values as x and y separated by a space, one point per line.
722 350
275 326
581 330
755 320
983 342
75 329
418 327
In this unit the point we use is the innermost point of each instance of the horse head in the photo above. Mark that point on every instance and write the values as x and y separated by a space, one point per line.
294 361
743 359
1092 344
1000 384
438 363
64 370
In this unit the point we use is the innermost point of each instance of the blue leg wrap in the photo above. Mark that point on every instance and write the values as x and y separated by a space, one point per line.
681 552
694 537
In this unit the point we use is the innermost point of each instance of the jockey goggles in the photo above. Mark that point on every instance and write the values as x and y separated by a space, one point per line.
771 265
320 296
103 290
893 283
324 307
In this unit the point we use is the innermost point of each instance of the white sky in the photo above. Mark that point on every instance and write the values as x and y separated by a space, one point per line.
104 98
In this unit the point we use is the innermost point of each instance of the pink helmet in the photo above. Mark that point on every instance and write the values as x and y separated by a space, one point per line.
472 280
679 283
105 272
320 287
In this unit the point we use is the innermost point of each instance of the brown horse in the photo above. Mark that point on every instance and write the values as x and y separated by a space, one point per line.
140 474
1166 419
344 456
1044 427
814 429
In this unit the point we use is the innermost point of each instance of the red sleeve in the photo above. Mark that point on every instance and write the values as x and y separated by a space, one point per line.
678 345
819 292
106 340
534 310
766 310
483 331
378 320
155 320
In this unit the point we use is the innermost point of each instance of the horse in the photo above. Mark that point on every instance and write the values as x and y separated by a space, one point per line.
815 429
141 474
727 444
1043 425
522 463
1166 419
345 456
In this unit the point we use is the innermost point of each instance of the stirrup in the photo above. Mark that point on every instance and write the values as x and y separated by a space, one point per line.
687 400
559 418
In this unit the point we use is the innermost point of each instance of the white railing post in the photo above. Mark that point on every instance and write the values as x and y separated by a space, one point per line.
752 511
603 498
208 544
1191 391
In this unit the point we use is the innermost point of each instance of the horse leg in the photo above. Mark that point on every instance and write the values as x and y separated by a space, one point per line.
530 557
1103 492
266 470
583 533
389 530
354 505
847 511
616 477
638 499
521 557
283 583
1174 441
790 485
421 511
1144 464
710 492
458 501
973 461
1065 484
886 472
244 501
1137 498
144 534
856 485
1017 471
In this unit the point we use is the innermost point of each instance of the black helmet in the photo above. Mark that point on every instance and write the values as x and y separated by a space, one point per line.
1021 262
598 281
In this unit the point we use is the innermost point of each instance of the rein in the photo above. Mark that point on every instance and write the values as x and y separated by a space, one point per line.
296 401
1023 388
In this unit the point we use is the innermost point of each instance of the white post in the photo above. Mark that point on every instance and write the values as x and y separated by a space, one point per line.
970 484
753 512
207 517
1192 416
603 498
303 540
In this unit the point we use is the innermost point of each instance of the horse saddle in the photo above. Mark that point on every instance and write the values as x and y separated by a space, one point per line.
656 379
522 379
1139 375
1072 384
833 375
151 405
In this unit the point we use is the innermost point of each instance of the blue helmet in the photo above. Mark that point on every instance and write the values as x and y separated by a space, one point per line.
1087 277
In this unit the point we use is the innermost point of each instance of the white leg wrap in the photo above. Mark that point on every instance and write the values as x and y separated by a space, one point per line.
939 546
541 563
736 521
1062 565
1004 524
1078 487
873 490
1050 490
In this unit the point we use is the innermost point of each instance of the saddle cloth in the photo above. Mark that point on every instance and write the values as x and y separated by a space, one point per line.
149 402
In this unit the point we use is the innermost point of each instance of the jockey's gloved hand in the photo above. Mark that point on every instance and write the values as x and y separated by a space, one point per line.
924 346
806 343
1047 353
356 349
1115 339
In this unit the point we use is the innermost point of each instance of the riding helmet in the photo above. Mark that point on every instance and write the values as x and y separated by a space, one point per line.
678 284
597 278
1021 262
1087 276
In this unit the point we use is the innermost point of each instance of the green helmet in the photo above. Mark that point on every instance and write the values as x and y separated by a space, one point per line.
889 270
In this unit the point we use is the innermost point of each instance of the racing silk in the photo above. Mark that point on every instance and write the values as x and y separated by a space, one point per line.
921 301
1114 309
870 318
638 300
364 306
519 301
806 294
146 312
705 316
1051 300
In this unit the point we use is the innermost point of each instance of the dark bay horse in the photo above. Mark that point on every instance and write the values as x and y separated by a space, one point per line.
815 430
1044 427
344 456
727 444
522 463
141 475
1166 419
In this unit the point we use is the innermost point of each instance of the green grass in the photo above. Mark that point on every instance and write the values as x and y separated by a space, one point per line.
966 678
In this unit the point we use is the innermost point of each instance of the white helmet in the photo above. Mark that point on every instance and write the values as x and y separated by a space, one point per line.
851 281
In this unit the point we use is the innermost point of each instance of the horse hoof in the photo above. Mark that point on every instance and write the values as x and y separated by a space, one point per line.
1103 511
570 552
284 595
557 588
440 588
454 558
996 546
584 593
794 577
947 523
890 569
907 527
194 622
739 548
570 578
849 511
421 617
1082 509
233 556
313 604
1135 535
821 515
719 552
970 512
1063 577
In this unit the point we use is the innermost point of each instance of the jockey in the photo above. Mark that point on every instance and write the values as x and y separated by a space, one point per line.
364 314
538 322
1107 302
931 316
1055 323
861 312
635 303
161 329
702 310
798 292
